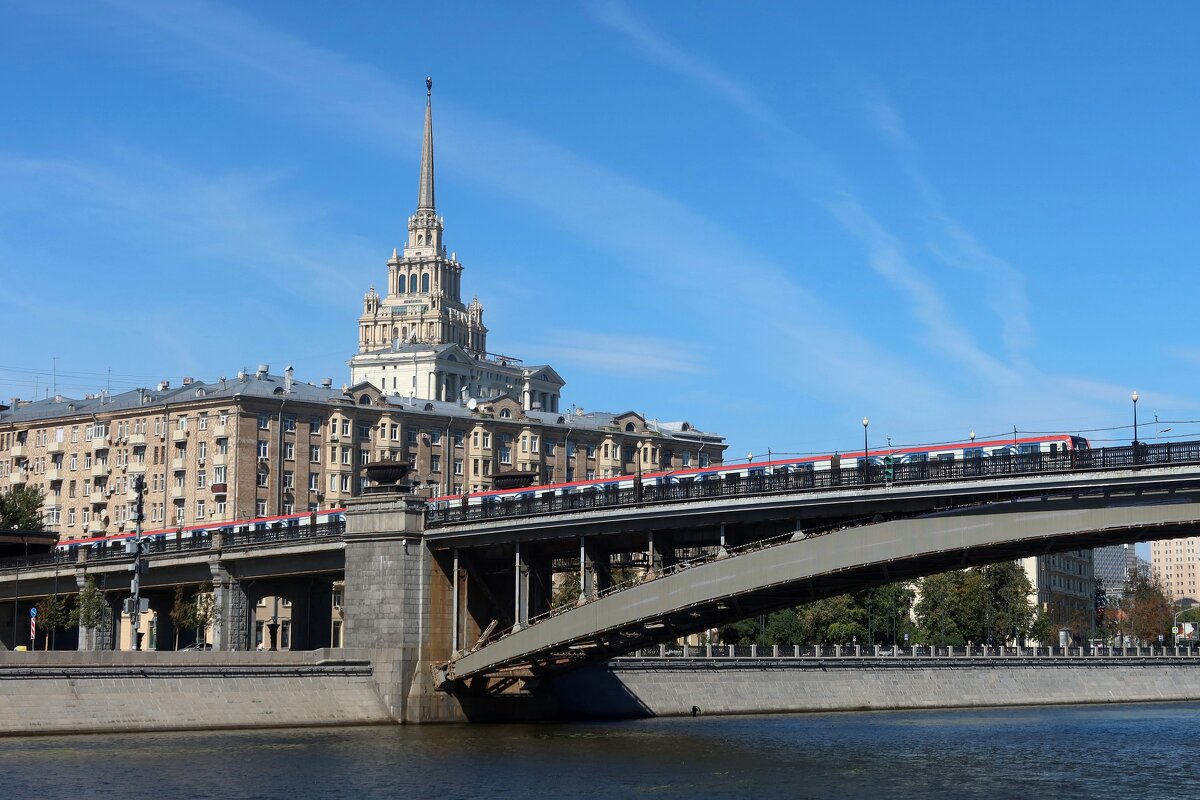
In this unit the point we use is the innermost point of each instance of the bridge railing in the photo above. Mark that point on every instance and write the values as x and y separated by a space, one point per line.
193 541
791 478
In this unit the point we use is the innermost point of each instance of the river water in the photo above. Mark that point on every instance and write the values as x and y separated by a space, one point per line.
1059 752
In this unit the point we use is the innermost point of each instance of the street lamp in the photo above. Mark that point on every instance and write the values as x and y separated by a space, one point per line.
866 458
1135 436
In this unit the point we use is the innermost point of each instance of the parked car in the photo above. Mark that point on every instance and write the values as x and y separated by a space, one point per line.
197 646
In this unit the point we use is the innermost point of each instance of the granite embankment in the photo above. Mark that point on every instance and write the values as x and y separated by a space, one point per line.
82 692
673 687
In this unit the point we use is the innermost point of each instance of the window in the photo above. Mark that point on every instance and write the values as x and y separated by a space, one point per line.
345 427
264 422
458 466
289 451
223 418
199 509
220 508
591 451
202 422
435 437
395 432
74 462
289 424
425 282
686 458
314 482
263 449
364 456
314 425
550 445
475 439
704 459
260 508
201 479
314 453
435 464
345 455
181 423
289 480
260 479
222 447
487 440
412 435
219 474
458 438
364 431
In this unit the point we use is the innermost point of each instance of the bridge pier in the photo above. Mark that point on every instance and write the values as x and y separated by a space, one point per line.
398 604
231 610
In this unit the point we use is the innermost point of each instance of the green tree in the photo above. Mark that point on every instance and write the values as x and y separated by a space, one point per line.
887 612
1008 612
21 509
567 592
52 615
91 610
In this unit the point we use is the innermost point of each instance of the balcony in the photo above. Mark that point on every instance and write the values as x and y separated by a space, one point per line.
220 488
19 451
179 435
96 525
100 469
54 473
178 464
177 492
17 478
98 497
135 468
56 447
137 439
220 459
100 443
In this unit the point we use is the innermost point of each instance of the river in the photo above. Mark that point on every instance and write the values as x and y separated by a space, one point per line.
1060 752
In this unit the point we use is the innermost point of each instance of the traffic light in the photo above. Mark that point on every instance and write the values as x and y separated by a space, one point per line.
889 470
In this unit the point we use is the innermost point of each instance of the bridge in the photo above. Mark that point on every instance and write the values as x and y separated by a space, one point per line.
461 596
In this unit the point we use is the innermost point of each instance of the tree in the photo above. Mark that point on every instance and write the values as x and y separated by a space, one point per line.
183 613
91 610
1008 609
52 615
21 509
887 612
1146 609
567 592
206 612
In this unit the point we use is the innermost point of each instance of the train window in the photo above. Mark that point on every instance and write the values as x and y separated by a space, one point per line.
974 452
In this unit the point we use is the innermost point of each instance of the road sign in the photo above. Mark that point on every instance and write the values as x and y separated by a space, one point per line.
1175 630
32 624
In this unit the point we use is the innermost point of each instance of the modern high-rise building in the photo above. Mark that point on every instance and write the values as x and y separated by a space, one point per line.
1176 562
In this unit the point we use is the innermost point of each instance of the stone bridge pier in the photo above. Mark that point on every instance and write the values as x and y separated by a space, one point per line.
399 604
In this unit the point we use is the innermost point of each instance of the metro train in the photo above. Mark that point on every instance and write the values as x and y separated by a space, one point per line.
170 538
1053 445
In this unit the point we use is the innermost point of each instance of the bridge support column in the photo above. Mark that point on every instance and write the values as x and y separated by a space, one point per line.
521 592
231 611
399 604
161 604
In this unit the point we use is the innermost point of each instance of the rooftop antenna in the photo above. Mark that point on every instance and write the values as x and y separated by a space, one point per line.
55 374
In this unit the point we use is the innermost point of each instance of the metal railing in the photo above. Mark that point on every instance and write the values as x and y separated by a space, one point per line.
678 652
257 534
784 479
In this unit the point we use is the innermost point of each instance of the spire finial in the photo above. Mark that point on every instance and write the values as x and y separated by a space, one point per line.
425 196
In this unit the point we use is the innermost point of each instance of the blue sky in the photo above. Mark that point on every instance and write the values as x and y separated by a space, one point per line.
768 219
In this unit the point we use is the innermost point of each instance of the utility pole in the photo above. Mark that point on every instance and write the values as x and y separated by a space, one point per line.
134 605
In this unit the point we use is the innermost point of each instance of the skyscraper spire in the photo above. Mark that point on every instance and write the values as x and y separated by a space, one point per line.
425 197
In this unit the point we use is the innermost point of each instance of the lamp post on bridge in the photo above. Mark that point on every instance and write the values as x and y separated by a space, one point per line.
866 458
1135 427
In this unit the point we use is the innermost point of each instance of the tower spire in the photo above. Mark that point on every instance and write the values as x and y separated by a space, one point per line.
425 196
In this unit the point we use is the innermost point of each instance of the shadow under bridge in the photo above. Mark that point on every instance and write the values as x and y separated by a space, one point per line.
776 574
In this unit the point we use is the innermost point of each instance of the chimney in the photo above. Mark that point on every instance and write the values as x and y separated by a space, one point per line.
287 379
187 381
263 369
327 383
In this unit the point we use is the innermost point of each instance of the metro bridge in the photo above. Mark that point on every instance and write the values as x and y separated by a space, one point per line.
717 552
466 592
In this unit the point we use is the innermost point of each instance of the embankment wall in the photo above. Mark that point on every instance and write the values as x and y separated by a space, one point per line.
84 692
674 687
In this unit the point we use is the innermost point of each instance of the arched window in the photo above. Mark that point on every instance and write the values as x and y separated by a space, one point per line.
395 332
425 282
505 413
400 285
412 283
365 400
629 427
420 238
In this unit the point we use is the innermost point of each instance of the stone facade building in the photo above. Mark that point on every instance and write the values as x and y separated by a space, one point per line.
263 445
420 340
